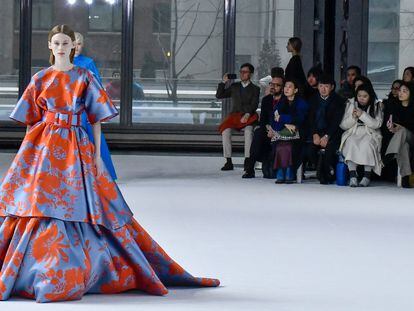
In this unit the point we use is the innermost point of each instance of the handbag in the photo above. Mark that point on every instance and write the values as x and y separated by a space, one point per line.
285 135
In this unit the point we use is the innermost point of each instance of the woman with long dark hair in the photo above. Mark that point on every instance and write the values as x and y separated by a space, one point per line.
361 141
401 125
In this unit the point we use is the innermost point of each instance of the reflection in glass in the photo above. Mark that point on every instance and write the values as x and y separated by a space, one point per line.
9 57
177 61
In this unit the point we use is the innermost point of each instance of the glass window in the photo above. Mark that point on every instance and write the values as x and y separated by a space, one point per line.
9 57
177 61
100 24
102 18
42 12
383 41
162 18
262 30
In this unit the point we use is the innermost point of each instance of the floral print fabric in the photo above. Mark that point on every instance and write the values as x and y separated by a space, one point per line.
64 230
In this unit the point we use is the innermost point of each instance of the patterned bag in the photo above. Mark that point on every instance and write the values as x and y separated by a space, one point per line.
285 135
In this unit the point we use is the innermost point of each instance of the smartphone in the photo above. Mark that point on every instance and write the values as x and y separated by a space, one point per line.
231 76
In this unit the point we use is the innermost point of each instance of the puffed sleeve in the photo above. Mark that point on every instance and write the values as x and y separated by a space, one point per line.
26 110
98 105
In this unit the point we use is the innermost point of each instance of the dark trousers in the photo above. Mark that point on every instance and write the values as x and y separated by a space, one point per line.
260 151
324 160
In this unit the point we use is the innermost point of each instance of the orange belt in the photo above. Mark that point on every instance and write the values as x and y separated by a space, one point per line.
63 119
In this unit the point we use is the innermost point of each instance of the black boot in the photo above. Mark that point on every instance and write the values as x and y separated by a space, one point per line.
405 182
228 166
248 168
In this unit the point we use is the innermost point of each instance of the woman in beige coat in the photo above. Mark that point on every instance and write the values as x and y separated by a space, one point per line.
361 141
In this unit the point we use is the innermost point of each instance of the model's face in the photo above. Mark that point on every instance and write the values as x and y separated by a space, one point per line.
276 86
407 76
313 82
61 46
325 89
289 47
290 90
395 89
404 94
363 98
350 76
78 46
245 74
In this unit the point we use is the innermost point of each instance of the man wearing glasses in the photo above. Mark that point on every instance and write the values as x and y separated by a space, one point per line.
261 149
245 100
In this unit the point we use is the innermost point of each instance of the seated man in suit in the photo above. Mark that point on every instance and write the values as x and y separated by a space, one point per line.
245 100
261 148
326 112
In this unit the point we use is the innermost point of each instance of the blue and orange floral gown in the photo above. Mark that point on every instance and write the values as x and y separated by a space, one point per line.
64 229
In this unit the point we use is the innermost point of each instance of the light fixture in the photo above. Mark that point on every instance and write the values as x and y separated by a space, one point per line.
71 2
89 2
111 2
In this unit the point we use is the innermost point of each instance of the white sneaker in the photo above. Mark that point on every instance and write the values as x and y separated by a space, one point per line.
353 182
365 182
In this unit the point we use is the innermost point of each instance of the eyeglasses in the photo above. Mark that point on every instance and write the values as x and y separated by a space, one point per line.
275 84
244 71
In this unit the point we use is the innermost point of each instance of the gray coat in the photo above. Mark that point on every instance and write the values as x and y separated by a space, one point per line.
247 103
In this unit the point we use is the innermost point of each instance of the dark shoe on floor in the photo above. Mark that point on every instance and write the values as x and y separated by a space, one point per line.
248 175
247 164
405 182
228 166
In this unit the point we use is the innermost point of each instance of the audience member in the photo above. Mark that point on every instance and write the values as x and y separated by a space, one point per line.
348 87
294 69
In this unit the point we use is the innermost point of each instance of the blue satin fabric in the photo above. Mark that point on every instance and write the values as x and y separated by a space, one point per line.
88 63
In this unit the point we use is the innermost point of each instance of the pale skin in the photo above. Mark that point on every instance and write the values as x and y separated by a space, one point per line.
324 90
275 89
61 46
79 44
404 97
290 91
245 76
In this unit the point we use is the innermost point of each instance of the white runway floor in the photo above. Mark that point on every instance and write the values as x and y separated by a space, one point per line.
274 247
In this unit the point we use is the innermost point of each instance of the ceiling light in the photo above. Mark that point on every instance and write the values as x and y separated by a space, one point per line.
71 2
89 2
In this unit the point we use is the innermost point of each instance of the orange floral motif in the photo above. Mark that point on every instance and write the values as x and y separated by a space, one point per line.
48 246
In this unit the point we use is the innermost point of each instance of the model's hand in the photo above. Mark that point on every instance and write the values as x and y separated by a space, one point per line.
395 128
225 78
324 141
245 118
316 139
358 113
354 114
99 165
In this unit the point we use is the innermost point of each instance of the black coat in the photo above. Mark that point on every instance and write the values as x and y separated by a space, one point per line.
243 100
294 71
333 116
266 111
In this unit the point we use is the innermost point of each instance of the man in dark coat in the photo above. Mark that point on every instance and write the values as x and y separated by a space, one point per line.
326 112
245 100
261 148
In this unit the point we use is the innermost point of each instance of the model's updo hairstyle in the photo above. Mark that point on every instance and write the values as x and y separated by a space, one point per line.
65 29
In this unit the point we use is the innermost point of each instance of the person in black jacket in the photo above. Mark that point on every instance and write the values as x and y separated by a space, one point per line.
261 148
348 86
245 100
326 112
294 69
389 171
401 125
